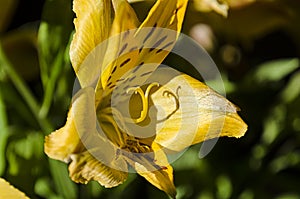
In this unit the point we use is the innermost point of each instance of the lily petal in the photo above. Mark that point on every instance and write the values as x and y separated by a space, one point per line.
189 112
85 167
160 17
64 141
159 173
79 140
93 24
171 18
125 17
120 42
151 42
8 191
154 39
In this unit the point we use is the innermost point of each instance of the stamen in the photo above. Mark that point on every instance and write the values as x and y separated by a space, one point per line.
170 94
117 137
144 97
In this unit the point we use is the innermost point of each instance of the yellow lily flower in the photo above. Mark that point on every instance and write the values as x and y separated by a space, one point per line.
8 191
114 124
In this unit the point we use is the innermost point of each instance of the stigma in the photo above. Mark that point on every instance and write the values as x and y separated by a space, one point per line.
145 100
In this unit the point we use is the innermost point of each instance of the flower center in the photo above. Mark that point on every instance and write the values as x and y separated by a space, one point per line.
133 145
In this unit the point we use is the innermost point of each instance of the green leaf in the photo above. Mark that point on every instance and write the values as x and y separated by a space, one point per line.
3 134
276 69
19 82
274 124
54 32
292 90
27 150
13 163
221 85
31 146
42 188
285 161
189 160
65 187
247 194
21 52
53 39
224 187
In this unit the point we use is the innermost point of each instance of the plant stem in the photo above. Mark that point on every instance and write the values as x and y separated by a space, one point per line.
24 91
3 134
50 86
63 183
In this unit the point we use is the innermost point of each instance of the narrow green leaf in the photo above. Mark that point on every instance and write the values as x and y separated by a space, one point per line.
24 90
62 181
276 69
3 134
53 39
42 188
30 146
273 124
292 90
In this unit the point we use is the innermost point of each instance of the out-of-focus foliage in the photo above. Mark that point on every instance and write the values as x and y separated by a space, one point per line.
257 50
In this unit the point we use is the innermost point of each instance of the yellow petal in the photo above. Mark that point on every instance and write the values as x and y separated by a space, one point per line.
85 167
125 17
159 178
92 155
158 172
66 141
164 14
92 25
189 112
8 191
143 40
63 142
152 42
119 42
157 35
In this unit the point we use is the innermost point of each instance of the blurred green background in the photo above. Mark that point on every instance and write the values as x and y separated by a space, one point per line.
257 50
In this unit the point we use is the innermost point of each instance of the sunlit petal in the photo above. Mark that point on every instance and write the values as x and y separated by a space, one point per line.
152 42
125 20
61 143
92 26
79 140
8 191
66 141
159 173
189 112
85 167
